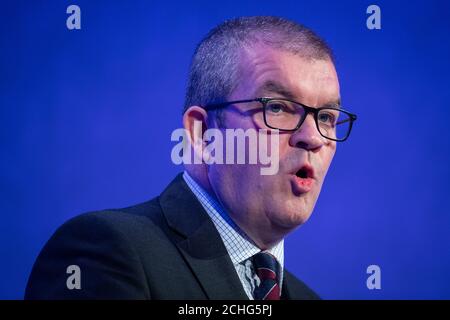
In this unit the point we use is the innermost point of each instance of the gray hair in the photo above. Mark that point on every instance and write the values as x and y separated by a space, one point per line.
214 70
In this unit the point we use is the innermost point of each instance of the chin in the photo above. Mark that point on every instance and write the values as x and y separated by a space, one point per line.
291 219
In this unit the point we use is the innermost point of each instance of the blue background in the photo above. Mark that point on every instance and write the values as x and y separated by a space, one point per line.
86 118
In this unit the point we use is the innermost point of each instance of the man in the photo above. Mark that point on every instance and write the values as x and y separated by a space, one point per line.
216 232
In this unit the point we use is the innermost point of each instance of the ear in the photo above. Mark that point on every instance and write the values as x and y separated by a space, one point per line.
195 124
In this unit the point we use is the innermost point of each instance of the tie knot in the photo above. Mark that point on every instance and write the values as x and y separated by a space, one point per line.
266 266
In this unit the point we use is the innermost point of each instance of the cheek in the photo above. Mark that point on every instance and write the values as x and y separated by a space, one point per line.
327 156
284 147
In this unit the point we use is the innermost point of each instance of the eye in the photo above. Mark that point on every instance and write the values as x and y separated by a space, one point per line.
327 118
276 107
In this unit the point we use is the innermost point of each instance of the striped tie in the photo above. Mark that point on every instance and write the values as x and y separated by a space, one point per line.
267 268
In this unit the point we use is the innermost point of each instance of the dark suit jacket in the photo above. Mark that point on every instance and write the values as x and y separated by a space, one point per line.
166 248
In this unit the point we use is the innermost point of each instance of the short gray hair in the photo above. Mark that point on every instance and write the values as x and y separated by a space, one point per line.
214 70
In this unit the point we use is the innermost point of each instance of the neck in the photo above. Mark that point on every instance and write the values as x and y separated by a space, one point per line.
262 232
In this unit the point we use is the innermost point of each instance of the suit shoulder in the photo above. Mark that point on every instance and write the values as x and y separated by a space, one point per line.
133 218
107 247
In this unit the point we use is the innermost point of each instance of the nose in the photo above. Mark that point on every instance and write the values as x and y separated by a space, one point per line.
307 136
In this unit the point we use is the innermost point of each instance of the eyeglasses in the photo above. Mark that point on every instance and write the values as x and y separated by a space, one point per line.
286 115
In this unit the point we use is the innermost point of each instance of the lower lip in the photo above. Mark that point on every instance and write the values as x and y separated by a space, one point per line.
302 185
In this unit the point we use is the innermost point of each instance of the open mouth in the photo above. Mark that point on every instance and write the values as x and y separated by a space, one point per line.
304 180
305 172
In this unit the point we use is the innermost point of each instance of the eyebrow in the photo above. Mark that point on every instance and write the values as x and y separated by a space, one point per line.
276 87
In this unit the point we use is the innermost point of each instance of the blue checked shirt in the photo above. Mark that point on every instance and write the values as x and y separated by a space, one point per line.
239 246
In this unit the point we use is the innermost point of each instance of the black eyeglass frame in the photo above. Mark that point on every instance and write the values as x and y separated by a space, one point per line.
314 111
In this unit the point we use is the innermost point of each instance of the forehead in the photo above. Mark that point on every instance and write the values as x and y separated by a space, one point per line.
270 72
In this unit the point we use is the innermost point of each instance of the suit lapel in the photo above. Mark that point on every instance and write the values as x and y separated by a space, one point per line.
200 243
285 295
294 289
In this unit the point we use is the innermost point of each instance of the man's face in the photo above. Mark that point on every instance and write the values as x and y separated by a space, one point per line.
267 207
